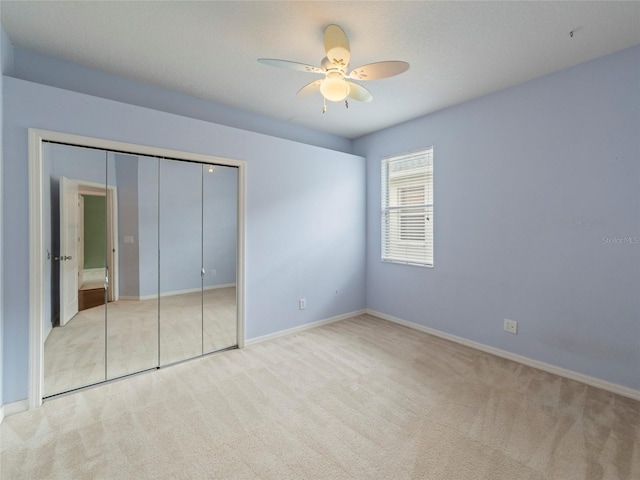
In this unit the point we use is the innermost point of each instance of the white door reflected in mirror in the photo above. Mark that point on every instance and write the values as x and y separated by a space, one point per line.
68 249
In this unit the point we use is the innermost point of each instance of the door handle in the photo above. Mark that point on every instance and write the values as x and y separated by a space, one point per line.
63 258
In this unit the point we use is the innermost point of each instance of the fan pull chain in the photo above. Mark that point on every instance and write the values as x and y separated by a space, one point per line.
324 105
346 94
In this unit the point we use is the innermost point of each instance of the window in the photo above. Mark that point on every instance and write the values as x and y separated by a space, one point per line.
407 208
411 224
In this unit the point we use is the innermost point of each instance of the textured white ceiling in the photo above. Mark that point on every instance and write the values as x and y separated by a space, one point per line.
457 50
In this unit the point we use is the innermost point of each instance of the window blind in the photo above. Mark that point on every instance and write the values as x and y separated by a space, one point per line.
407 208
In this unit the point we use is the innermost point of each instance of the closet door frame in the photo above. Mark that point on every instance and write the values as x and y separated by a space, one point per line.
38 255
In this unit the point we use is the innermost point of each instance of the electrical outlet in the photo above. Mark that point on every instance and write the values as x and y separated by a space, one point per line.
510 326
302 303
213 273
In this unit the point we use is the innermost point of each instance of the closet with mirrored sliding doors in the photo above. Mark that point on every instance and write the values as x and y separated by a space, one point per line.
142 262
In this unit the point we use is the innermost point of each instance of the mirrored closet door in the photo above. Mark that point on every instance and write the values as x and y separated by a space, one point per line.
75 231
132 320
181 274
141 263
220 224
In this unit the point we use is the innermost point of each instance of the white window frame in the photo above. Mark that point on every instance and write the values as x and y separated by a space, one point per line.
399 220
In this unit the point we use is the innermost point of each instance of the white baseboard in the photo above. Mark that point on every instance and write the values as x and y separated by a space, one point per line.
13 408
301 328
177 292
530 362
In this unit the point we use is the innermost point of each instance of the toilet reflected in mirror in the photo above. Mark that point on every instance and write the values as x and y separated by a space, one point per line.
143 266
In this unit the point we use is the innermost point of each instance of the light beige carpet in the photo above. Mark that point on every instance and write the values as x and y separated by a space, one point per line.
357 399
74 355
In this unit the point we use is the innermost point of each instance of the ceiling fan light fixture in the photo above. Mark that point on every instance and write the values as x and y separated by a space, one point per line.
337 84
334 87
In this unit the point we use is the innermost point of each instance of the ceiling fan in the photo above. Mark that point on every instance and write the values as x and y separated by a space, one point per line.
336 84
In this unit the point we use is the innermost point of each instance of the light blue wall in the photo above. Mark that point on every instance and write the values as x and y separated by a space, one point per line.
4 46
530 183
305 222
7 53
127 198
220 212
198 226
40 68
180 226
148 226
6 68
306 212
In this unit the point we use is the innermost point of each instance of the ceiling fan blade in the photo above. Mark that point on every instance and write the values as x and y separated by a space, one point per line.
336 44
301 67
309 89
358 92
375 71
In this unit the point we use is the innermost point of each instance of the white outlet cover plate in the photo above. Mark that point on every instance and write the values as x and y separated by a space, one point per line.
510 326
